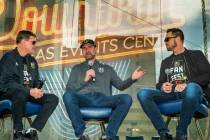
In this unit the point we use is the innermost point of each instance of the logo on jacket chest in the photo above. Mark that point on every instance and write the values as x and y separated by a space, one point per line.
101 70
26 74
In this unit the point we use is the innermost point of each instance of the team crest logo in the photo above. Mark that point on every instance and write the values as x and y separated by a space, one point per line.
32 65
177 63
101 70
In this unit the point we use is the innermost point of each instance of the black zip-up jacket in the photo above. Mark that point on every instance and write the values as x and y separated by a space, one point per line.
199 69
11 72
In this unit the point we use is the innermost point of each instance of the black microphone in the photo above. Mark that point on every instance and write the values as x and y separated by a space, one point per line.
40 83
167 72
90 66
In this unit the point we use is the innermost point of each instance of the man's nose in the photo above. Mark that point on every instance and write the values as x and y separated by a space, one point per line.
87 50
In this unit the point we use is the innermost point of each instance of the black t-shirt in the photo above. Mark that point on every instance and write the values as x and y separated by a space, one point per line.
178 70
26 73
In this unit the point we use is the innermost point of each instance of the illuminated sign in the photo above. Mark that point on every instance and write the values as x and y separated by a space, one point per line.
46 22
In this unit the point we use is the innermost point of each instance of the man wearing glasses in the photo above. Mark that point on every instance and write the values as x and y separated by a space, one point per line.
20 83
183 75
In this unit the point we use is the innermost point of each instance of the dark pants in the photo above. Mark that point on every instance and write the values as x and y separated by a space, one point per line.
19 99
119 103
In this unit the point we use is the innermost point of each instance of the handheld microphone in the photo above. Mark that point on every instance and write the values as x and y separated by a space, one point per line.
167 72
40 83
90 66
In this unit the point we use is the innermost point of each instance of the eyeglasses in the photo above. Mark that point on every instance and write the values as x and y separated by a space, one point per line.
168 38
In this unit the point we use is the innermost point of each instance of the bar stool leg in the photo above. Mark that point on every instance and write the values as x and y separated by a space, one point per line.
102 125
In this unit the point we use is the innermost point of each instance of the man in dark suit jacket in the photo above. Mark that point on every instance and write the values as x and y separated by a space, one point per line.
20 83
183 75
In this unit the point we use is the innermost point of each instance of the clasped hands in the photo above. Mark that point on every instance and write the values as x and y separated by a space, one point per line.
36 93
168 87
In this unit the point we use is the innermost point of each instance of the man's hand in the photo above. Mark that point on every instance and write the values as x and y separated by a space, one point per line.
138 73
89 75
180 87
36 93
167 87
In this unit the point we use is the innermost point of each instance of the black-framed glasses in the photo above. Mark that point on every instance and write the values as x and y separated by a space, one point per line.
168 38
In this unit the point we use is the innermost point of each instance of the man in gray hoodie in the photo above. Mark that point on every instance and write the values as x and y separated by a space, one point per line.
90 84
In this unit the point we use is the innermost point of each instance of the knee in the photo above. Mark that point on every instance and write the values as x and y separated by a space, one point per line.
53 99
193 86
193 90
126 99
68 97
143 95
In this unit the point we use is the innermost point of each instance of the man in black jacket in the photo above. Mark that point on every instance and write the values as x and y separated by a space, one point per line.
183 75
20 83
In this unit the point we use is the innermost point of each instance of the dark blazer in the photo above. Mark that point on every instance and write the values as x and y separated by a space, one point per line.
199 68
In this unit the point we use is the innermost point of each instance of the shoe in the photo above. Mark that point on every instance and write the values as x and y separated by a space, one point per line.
105 138
18 135
30 134
180 137
166 136
84 137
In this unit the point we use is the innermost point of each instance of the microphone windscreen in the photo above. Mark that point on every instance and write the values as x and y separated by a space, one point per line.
90 63
40 83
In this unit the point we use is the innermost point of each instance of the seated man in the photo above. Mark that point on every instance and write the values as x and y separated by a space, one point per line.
20 83
183 75
90 85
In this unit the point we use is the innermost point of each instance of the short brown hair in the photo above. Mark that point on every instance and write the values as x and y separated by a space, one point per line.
177 32
24 34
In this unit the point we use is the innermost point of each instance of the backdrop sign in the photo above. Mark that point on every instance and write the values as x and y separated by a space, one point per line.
128 34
